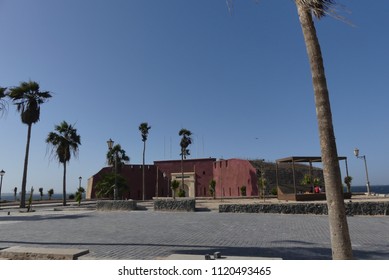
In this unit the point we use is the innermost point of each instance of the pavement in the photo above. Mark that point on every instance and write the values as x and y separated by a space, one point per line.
150 235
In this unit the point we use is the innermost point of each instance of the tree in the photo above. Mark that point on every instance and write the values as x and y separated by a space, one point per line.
27 97
64 142
105 187
174 186
340 236
116 156
347 181
186 140
2 101
41 192
339 232
15 192
50 193
79 194
144 129
212 188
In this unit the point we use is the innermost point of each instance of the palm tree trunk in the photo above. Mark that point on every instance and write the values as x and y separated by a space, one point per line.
182 169
64 185
143 171
340 237
24 180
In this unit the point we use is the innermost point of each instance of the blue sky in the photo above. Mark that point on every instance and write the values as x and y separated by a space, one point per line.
240 82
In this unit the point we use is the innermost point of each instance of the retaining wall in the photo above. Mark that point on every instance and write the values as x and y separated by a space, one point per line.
116 205
185 205
352 208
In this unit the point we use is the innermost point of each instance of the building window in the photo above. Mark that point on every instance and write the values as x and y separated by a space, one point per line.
203 172
226 163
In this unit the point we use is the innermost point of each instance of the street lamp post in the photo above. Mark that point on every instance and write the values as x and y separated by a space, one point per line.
2 172
79 179
356 153
110 147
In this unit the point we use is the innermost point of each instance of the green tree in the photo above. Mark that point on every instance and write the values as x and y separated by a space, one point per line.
41 192
64 142
79 193
174 186
50 193
339 232
212 188
186 140
105 187
3 104
27 97
144 130
347 181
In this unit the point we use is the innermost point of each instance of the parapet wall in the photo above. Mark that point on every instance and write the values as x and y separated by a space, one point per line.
185 205
352 208
116 205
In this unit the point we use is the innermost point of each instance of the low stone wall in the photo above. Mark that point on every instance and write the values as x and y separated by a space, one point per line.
352 208
185 205
116 205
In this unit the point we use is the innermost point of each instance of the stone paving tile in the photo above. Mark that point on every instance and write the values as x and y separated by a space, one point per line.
156 235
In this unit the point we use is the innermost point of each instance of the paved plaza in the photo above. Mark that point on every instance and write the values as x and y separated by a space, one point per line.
156 235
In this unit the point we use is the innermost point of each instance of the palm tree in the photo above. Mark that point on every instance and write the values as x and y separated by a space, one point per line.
186 140
27 97
64 142
340 236
144 130
2 101
116 156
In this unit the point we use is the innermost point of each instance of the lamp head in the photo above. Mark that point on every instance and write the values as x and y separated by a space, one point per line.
2 172
356 152
110 143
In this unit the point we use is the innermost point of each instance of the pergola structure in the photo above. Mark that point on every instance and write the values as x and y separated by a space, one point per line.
289 193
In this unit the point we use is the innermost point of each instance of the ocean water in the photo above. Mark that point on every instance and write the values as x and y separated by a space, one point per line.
11 197
373 189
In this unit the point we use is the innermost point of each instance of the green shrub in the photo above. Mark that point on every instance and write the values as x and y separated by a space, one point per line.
243 191
181 193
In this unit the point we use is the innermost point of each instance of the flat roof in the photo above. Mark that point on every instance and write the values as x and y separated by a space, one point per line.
304 159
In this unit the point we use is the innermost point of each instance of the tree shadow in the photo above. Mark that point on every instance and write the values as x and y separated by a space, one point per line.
303 251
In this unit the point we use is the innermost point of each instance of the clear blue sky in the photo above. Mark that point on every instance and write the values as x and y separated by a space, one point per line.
241 83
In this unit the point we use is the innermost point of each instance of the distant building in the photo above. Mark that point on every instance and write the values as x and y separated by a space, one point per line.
233 177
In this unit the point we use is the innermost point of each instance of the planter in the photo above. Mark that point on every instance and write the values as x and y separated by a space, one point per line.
116 205
180 204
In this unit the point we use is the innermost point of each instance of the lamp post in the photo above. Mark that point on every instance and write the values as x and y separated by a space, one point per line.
110 147
79 179
356 153
2 172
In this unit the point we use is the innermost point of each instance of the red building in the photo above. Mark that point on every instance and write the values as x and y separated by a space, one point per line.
197 175
232 176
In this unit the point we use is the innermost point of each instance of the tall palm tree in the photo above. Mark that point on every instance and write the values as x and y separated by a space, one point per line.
144 130
116 156
340 236
2 101
186 140
27 97
65 142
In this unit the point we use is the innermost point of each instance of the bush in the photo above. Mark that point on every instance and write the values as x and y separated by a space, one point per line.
243 190
181 193
71 196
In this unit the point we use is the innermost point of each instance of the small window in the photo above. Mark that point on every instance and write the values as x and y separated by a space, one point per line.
203 172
